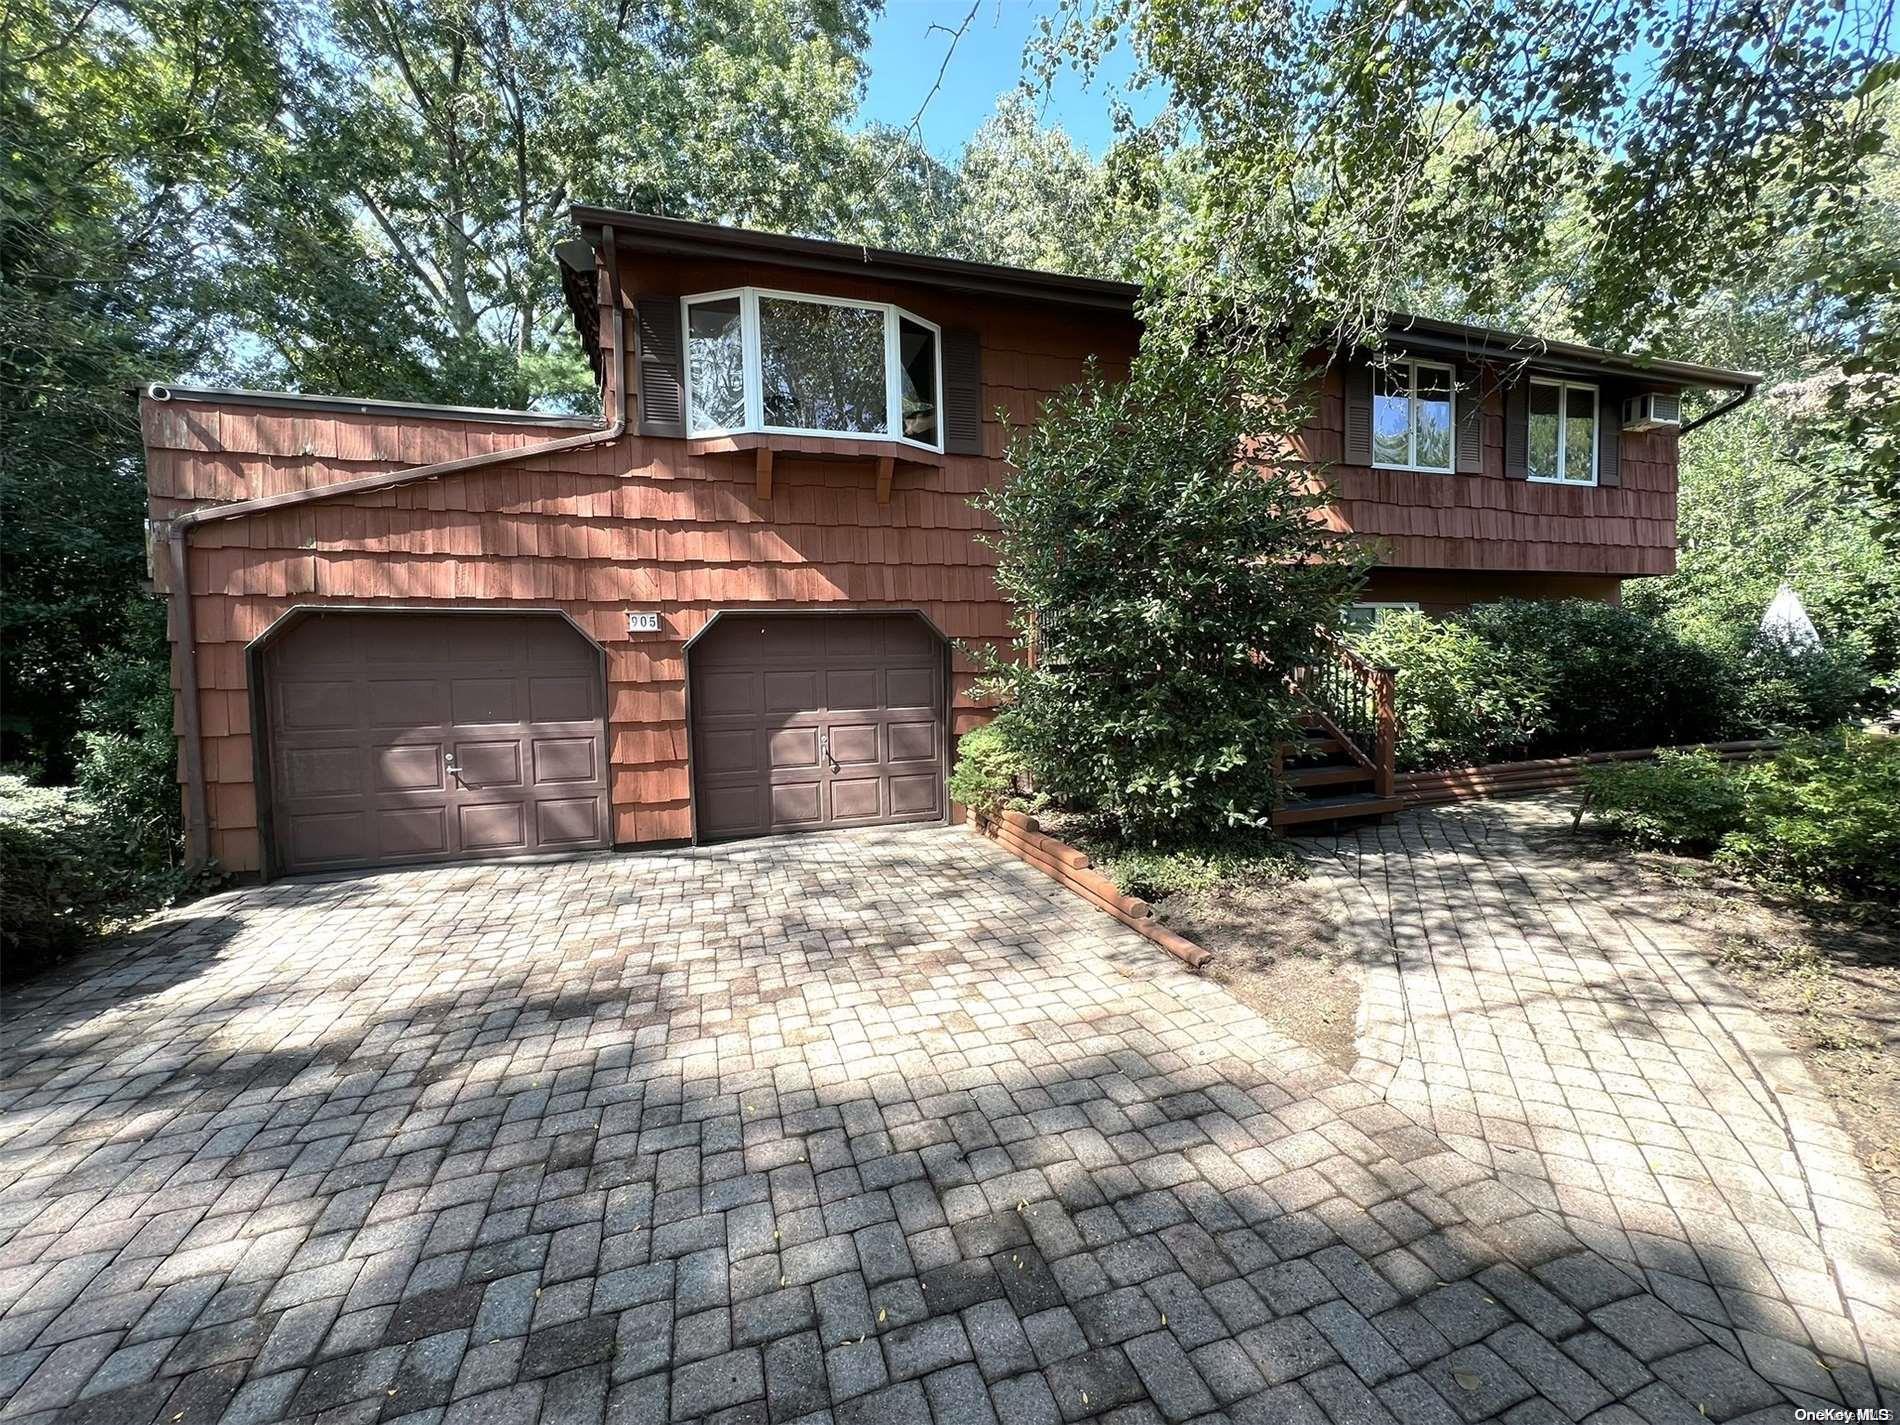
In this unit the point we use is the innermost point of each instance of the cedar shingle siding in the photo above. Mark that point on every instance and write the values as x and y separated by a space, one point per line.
642 524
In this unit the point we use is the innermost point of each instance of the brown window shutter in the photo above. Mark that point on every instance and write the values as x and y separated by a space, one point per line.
1610 435
962 392
1470 422
1517 428
1356 442
659 360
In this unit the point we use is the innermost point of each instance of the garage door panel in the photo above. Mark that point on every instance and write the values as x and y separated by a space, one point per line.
788 691
854 744
911 688
560 699
489 764
319 837
479 700
854 638
852 689
566 821
728 694
405 702
792 747
729 750
521 693
496 826
856 798
797 804
913 742
413 831
415 767
319 706
870 683
564 759
732 810
917 795
323 771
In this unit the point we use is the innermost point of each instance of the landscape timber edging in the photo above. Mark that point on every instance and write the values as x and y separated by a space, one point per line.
1024 839
1496 779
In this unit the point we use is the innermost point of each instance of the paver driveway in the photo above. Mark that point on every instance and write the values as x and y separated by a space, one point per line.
882 1126
1550 1020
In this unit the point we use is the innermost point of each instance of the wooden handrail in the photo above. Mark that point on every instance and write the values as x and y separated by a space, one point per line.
1371 737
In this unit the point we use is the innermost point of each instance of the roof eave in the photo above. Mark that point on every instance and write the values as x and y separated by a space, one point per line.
681 237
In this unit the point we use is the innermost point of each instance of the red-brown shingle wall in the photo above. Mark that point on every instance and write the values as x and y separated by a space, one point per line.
640 524
1487 522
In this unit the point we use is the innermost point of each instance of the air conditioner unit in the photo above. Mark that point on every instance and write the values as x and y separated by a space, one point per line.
1652 410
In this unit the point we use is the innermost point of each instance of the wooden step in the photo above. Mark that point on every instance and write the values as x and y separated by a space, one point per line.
1347 808
1343 774
1316 744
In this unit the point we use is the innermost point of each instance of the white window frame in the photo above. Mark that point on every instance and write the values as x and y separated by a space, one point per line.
753 364
1563 390
1378 606
1412 367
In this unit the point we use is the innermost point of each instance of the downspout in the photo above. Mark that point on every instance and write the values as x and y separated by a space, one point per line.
178 538
1740 399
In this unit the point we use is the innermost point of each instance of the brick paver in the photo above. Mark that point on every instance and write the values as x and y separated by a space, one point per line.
858 1128
1548 1022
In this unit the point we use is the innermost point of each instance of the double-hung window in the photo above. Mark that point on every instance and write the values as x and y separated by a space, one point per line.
795 364
1562 444
1413 416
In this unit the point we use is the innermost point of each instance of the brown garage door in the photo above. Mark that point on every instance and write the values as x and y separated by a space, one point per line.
802 722
400 737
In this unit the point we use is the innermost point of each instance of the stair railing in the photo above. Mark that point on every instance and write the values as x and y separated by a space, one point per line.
1356 701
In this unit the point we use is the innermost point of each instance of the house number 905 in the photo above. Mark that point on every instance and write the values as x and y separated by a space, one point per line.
643 623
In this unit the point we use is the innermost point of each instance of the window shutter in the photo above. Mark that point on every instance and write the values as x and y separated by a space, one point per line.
1517 428
1610 435
658 359
1470 422
962 392
1356 445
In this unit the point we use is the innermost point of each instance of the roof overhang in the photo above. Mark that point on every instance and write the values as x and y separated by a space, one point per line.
677 237
1430 336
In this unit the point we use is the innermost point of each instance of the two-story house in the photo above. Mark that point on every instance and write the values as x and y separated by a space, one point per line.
731 605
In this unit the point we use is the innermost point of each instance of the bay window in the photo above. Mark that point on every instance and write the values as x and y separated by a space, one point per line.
797 364
1562 444
1413 416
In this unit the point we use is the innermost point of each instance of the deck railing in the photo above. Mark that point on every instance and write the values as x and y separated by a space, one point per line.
1355 700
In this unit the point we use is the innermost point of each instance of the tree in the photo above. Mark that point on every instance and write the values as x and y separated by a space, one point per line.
1164 584
119 129
394 238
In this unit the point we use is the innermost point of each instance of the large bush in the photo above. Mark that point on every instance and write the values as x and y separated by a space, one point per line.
1779 689
1616 678
1682 801
1461 699
1825 813
1163 587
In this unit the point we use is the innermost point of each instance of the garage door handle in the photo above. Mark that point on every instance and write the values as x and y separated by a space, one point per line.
824 748
450 765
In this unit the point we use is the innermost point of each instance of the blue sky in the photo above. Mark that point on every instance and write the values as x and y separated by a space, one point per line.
987 64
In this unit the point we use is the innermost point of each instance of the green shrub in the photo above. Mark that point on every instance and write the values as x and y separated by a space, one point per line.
1191 867
1616 678
50 882
989 768
128 756
1682 801
1781 690
1824 814
1165 586
1461 700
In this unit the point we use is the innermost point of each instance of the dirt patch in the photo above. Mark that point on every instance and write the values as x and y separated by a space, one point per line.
1281 955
